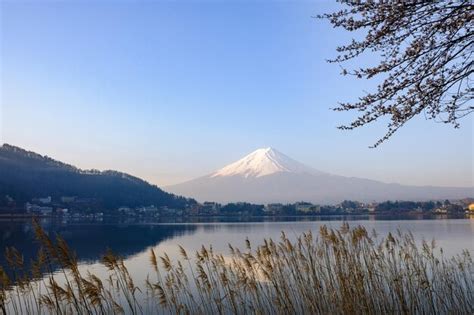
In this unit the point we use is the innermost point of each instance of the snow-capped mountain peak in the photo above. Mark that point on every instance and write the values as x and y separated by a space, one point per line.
263 162
268 176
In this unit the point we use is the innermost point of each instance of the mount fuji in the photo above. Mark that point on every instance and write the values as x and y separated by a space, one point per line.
267 176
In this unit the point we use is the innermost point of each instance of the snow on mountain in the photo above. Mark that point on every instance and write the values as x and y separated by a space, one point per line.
264 162
267 176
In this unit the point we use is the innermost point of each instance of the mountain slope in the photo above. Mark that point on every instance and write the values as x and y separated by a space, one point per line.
25 175
264 162
266 176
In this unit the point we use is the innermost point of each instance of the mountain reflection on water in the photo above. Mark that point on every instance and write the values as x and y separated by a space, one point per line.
132 238
89 240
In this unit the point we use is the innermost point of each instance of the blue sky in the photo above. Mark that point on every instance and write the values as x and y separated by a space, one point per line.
171 90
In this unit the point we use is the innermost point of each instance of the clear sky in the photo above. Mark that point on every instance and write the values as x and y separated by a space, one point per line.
171 90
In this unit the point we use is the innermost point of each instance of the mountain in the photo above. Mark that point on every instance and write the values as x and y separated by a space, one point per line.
263 162
25 175
267 175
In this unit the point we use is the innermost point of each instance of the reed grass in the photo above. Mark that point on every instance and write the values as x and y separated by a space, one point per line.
339 271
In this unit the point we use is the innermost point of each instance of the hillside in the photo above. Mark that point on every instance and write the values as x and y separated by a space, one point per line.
268 176
25 175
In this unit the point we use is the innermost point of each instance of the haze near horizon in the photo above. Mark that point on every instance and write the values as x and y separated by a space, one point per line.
268 176
167 92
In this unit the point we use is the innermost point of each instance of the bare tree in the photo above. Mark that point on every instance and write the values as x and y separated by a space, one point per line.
424 51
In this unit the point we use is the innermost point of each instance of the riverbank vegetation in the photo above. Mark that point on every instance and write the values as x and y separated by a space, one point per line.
342 271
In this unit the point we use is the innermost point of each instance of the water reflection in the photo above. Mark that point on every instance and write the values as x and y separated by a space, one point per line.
89 240
132 239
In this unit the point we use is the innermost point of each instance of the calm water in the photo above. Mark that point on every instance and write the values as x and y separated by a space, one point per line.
133 240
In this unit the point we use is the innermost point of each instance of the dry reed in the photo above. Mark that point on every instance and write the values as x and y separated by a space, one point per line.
344 271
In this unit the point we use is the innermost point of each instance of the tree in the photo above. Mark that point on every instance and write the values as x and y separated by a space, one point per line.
424 51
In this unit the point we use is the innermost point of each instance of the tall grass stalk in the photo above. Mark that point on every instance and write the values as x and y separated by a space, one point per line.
343 271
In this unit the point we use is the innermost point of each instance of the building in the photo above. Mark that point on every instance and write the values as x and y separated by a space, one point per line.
39 210
194 210
304 207
273 208
68 199
471 208
126 211
147 211
62 211
442 210
43 200
45 211
210 208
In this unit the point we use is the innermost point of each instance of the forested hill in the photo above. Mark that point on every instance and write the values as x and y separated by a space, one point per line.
25 175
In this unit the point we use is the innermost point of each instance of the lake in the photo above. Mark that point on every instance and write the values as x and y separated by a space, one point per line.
133 240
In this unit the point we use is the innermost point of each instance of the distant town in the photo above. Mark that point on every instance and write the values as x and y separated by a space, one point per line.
36 185
71 206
